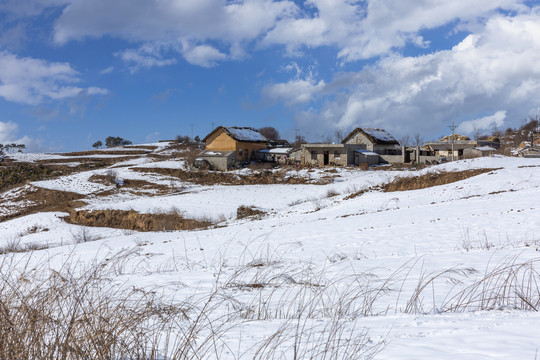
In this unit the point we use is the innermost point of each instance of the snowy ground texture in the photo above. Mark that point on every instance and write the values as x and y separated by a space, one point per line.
447 272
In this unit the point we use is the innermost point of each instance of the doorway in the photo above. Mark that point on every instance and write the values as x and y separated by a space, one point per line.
326 157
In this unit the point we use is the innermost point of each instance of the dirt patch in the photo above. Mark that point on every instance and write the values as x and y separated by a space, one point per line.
145 147
248 211
430 180
132 220
16 174
212 178
142 187
422 181
105 152
44 200
87 162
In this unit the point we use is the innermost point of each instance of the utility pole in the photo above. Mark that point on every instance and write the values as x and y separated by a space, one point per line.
452 128
191 131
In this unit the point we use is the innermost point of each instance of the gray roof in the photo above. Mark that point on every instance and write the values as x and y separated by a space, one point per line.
376 136
245 134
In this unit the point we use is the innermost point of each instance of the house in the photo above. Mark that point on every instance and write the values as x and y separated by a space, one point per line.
228 146
216 160
378 141
366 157
329 154
448 149
279 155
479 151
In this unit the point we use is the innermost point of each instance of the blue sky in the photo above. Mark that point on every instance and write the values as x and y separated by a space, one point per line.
76 71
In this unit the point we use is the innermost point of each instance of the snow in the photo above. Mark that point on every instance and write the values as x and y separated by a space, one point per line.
366 152
245 134
282 151
33 157
379 134
476 224
485 148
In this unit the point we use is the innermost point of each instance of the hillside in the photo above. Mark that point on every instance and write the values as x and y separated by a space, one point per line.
440 262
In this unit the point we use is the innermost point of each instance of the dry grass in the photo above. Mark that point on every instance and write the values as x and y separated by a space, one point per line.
431 179
214 177
331 193
509 284
248 211
42 200
132 220
80 312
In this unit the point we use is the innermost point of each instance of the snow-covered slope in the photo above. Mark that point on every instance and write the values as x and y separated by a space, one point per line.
394 265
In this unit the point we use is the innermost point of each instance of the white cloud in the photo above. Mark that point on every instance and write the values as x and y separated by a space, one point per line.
8 135
107 70
302 89
483 123
33 81
28 8
494 70
294 92
230 23
147 56
7 132
204 55
362 30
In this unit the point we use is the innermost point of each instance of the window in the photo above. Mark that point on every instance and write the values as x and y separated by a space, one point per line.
239 152
314 155
337 154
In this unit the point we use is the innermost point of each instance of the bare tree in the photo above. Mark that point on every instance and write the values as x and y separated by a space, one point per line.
476 134
339 135
418 140
299 140
269 132
405 140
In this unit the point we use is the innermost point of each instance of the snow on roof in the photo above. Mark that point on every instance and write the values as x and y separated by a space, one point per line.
379 134
277 150
376 136
239 134
366 152
485 148
245 134
215 153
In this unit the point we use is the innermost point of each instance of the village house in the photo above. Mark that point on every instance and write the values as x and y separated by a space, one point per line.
279 155
229 146
378 141
329 154
362 145
460 147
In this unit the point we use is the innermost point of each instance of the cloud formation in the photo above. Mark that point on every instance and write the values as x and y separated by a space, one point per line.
8 135
191 25
492 71
33 81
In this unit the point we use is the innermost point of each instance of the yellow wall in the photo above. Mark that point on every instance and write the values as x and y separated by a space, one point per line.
220 141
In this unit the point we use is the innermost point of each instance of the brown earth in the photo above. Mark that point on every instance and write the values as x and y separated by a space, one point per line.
45 200
14 174
132 220
431 179
422 181
211 178
248 211
87 162
105 152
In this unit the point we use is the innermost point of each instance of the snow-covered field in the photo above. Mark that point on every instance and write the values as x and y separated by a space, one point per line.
446 272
